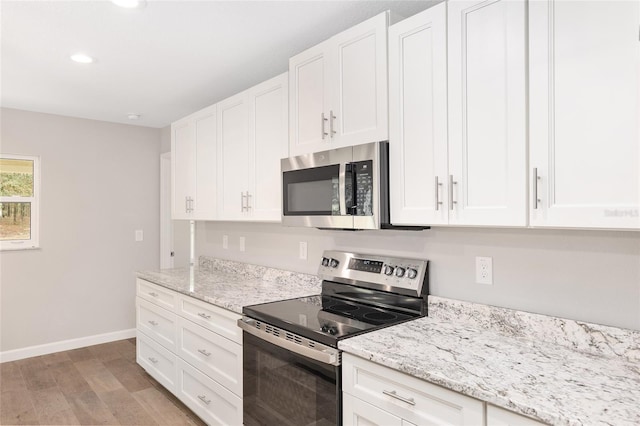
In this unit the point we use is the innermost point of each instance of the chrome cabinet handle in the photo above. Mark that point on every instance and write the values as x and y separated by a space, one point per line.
536 179
333 117
248 204
186 204
153 323
437 189
190 205
203 315
204 399
153 294
204 352
322 120
241 202
394 394
451 200
153 360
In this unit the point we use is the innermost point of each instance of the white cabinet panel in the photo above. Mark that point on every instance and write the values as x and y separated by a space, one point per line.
487 112
156 360
205 172
418 118
356 412
216 319
500 417
156 294
584 114
157 323
182 162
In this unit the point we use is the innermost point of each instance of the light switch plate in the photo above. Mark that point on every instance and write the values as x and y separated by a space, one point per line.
139 235
303 250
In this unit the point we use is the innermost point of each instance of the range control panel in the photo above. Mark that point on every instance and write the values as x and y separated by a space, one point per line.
394 274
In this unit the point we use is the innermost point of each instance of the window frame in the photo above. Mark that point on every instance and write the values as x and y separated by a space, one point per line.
34 241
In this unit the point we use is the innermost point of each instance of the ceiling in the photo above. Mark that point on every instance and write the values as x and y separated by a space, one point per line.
163 61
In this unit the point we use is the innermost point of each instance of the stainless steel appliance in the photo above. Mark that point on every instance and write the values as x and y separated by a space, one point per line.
344 188
291 361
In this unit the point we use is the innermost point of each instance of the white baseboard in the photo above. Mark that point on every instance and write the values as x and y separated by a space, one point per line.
65 345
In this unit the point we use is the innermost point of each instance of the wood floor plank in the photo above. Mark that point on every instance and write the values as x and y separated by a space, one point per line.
11 377
81 354
125 408
69 379
55 358
16 408
35 374
130 375
156 405
89 409
61 417
52 407
105 351
103 381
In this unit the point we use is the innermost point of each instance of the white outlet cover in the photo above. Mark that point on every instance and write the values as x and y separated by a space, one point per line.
303 250
225 242
484 270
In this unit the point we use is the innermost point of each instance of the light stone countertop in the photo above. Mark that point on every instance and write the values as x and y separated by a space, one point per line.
546 380
233 285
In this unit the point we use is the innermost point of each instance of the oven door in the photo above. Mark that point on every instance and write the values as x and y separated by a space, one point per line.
282 387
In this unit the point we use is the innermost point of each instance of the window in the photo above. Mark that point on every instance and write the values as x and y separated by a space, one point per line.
19 194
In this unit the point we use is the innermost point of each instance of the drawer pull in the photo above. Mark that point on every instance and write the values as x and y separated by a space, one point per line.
204 352
203 315
393 394
152 294
204 399
153 360
153 323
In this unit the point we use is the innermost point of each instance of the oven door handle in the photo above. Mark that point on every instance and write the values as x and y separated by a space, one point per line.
319 352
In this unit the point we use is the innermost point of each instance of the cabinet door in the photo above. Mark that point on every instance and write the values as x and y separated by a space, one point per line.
418 118
308 124
204 123
182 164
584 113
233 155
358 83
500 417
356 412
487 112
268 118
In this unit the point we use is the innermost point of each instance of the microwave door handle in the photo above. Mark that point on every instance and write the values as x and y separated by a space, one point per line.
342 188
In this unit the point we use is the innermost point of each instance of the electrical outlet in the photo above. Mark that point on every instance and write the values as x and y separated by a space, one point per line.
484 270
303 250
225 242
241 243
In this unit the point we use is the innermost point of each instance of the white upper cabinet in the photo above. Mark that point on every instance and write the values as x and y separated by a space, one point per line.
338 93
193 162
487 113
584 114
418 118
252 134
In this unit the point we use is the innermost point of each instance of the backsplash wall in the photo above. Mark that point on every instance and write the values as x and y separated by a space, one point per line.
584 275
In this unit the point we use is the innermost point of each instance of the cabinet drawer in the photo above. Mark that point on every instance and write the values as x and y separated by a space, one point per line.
356 412
501 417
218 320
158 323
209 400
408 397
156 294
217 357
156 360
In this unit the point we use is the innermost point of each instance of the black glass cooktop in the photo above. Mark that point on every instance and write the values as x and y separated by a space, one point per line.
325 319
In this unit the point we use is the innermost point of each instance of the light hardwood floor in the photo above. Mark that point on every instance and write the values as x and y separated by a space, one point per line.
96 385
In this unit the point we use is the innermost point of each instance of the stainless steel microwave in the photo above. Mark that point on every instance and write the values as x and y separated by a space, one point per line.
343 188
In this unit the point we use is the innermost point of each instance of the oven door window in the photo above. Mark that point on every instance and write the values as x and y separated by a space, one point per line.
312 192
283 388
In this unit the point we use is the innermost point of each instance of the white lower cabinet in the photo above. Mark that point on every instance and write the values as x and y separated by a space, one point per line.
501 417
398 398
192 348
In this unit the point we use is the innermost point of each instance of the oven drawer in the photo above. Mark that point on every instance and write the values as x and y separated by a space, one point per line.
161 296
156 360
216 319
158 323
217 357
208 399
408 397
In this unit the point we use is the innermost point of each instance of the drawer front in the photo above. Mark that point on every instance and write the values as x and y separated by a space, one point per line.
356 412
161 296
216 319
217 357
208 399
158 323
408 397
501 417
156 360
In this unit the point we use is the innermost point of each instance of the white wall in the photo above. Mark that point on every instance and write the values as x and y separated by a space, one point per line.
585 275
100 182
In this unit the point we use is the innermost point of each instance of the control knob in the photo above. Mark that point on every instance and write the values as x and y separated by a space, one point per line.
400 272
388 270
334 263
325 261
411 273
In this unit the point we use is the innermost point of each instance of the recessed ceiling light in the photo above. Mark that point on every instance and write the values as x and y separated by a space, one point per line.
133 116
82 58
129 4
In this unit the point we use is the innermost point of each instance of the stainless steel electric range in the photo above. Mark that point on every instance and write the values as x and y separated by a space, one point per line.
291 361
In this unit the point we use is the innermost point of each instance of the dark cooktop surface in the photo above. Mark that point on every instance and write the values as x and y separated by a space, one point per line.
325 319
